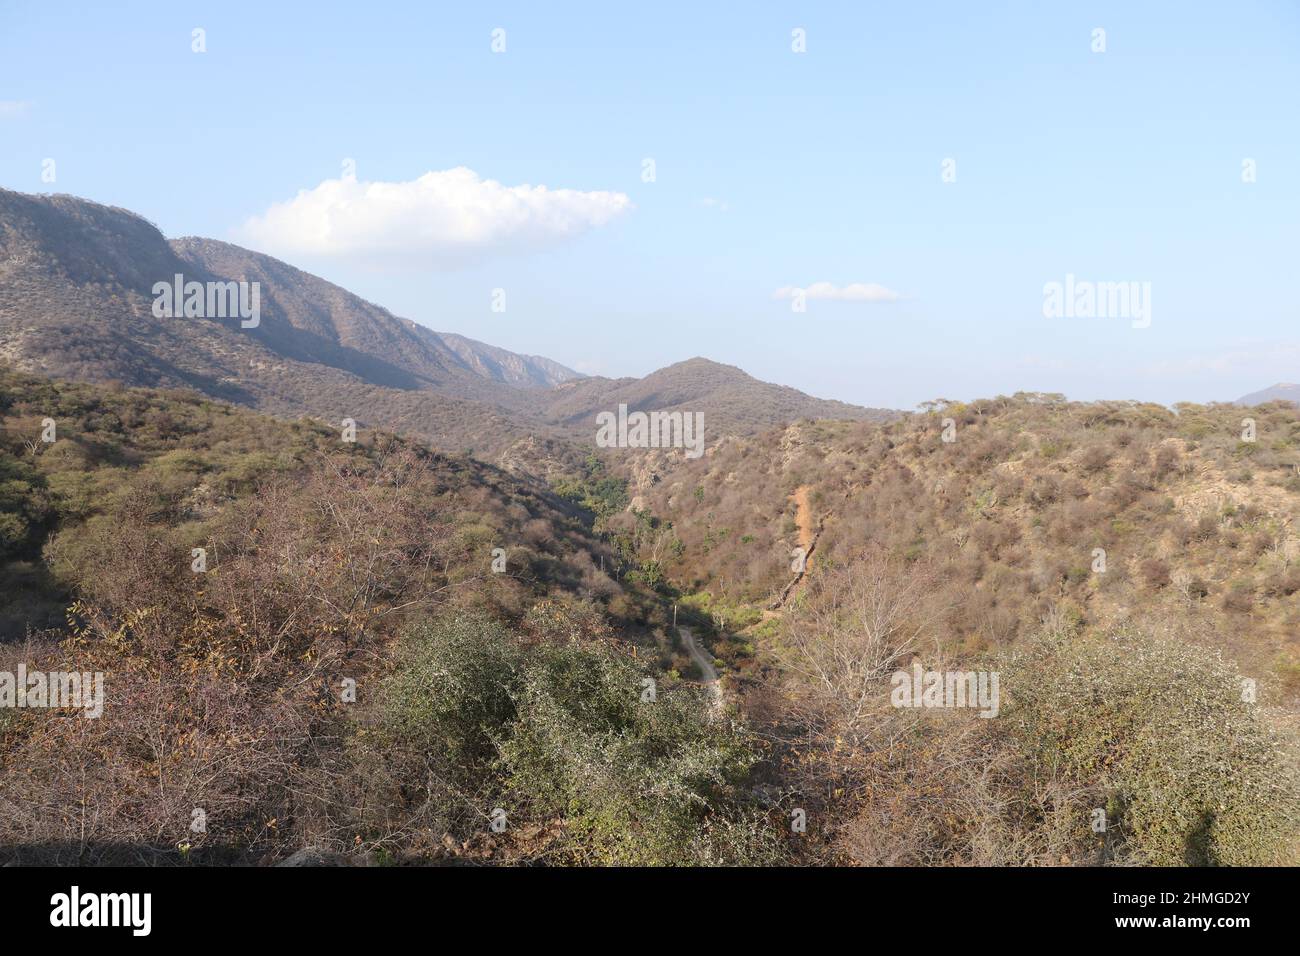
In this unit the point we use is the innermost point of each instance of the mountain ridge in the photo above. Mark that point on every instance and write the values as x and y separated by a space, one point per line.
1281 392
76 303
739 401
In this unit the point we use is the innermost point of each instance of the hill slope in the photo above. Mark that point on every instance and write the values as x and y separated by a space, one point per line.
328 324
76 303
1282 392
1196 524
312 641
733 402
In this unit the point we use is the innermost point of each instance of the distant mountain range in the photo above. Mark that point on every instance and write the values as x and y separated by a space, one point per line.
1282 392
76 302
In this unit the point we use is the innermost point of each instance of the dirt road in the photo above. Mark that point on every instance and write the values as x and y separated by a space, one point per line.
708 673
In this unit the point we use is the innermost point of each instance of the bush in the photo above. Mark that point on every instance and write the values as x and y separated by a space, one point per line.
558 730
452 691
1156 573
1240 598
1157 731
639 782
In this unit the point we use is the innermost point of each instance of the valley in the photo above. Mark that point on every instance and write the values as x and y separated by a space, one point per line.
429 590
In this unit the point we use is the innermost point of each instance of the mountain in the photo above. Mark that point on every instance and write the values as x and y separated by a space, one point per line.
1282 392
319 311
68 263
509 367
77 303
732 401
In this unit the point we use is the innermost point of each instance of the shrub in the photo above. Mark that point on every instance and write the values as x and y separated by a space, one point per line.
1240 598
1095 458
451 691
1155 572
1158 731
639 782
557 729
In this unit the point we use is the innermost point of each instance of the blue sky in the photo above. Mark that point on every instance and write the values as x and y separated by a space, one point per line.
773 169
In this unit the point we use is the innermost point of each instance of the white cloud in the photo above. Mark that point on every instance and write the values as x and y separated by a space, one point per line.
450 216
853 292
708 202
13 108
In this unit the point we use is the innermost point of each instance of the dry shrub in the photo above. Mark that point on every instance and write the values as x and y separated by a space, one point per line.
1146 729
224 689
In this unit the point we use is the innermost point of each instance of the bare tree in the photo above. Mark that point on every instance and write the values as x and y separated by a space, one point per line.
849 631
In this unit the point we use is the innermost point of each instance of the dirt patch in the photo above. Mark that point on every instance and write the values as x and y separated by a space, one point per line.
803 517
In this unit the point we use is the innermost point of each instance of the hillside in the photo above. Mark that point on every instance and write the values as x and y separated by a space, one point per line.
347 676
313 320
511 368
1282 392
1132 573
733 403
194 459
1194 521
318 633
76 303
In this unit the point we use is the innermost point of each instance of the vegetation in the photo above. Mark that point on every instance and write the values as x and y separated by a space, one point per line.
355 670
1126 747
274 692
1196 526
580 731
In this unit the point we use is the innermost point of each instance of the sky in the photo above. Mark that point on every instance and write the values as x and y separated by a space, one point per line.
865 201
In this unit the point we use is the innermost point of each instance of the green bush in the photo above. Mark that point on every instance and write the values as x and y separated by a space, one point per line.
560 730
639 782
1157 730
451 693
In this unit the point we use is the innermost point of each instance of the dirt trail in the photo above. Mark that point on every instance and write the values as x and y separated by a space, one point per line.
809 532
803 517
708 673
